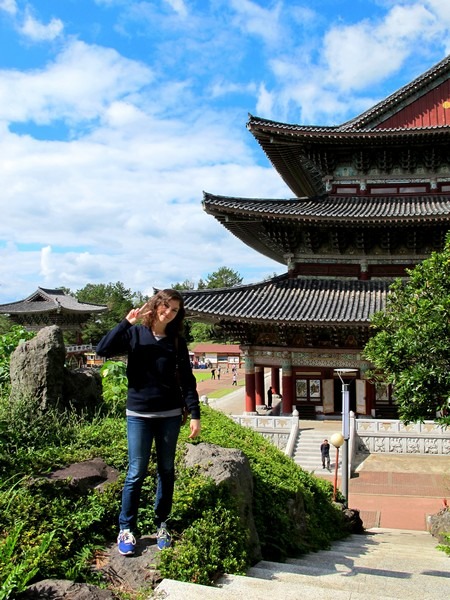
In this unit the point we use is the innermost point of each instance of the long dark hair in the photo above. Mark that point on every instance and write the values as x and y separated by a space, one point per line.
175 327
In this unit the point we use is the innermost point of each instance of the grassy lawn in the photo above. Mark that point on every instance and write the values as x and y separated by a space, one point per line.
202 374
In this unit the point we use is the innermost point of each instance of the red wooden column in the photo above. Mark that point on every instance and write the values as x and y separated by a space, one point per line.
250 402
275 380
259 386
288 388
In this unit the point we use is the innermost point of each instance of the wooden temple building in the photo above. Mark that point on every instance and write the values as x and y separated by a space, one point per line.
371 199
50 307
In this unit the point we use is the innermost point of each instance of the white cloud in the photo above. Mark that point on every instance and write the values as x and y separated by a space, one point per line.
265 103
178 6
341 74
261 22
122 201
380 48
46 270
9 6
37 31
76 86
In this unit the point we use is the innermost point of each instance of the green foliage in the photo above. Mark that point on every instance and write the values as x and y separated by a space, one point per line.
198 332
224 277
8 343
276 477
202 554
410 348
445 547
5 324
201 332
114 386
116 297
187 284
209 535
15 574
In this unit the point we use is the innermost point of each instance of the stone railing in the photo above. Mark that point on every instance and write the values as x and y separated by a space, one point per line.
374 436
75 349
281 431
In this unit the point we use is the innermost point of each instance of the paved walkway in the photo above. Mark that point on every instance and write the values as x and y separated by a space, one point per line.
391 491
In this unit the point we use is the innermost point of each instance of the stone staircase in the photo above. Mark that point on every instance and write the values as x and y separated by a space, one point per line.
307 450
380 564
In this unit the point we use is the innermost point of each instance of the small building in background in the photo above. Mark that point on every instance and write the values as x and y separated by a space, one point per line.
216 355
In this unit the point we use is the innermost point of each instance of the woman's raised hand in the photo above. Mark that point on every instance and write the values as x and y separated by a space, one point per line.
136 313
144 310
133 315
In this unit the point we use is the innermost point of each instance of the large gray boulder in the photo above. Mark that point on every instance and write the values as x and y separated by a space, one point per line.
439 525
229 467
37 370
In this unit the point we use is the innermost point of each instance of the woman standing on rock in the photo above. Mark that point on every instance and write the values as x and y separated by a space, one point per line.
160 384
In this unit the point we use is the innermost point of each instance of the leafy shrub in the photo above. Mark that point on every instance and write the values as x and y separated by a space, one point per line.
115 385
15 574
8 343
213 544
278 478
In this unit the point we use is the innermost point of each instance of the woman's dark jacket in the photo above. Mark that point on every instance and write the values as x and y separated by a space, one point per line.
151 369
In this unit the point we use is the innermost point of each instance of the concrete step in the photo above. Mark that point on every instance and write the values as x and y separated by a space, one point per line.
380 564
306 452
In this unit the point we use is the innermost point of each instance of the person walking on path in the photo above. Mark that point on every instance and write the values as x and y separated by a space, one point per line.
213 373
234 382
160 384
325 453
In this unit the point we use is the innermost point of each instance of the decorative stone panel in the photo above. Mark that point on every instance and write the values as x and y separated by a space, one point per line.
394 437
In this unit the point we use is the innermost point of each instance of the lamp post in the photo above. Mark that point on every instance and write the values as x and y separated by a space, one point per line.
345 428
337 439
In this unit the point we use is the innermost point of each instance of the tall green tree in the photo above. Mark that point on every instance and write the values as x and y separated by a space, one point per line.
187 284
411 345
116 297
195 331
224 277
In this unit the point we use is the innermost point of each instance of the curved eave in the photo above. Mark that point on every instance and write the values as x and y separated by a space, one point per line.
292 302
286 147
290 134
237 213
36 308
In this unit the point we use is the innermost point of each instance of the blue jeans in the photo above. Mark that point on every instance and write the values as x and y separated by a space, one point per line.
141 433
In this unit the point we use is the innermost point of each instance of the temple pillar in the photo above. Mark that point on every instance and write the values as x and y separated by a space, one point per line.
250 401
288 388
275 380
259 386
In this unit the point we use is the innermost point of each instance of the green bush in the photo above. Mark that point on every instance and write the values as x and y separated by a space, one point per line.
8 343
115 386
277 481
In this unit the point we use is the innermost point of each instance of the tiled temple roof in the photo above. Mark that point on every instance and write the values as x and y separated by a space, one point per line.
421 84
333 209
306 155
291 301
50 300
365 123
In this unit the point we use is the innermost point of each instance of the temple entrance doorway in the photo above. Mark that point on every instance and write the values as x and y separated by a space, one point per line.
338 394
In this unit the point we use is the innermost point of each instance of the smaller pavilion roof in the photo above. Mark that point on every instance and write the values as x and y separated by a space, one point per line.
50 300
291 302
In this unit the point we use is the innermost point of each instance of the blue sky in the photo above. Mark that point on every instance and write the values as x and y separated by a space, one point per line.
115 115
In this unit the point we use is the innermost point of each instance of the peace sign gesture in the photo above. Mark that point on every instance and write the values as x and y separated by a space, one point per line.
136 313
